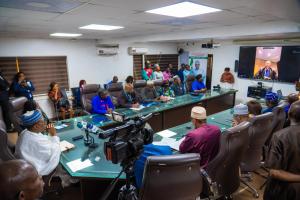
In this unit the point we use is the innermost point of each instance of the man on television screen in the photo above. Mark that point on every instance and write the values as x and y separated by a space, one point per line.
266 72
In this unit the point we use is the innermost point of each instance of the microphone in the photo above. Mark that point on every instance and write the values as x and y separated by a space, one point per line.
88 127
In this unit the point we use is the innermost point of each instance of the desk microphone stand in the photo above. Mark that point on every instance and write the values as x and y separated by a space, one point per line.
89 140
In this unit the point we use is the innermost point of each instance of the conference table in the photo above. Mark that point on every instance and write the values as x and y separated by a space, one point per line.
166 114
94 179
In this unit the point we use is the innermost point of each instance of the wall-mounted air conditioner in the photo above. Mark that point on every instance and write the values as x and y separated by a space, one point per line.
137 51
106 51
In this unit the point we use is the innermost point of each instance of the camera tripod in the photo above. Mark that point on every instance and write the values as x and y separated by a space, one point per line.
127 191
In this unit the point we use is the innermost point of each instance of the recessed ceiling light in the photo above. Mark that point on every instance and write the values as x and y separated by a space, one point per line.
183 9
65 34
101 27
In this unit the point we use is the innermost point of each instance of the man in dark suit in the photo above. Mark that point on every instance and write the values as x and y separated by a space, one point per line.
4 96
266 72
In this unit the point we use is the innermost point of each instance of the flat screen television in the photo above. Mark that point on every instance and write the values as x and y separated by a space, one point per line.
273 63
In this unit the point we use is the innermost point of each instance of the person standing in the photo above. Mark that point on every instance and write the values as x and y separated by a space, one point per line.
283 160
167 74
158 75
147 72
4 97
22 87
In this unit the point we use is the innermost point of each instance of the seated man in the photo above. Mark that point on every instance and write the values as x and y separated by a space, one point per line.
42 151
177 86
149 94
204 139
254 108
283 159
20 181
102 104
198 85
291 99
114 80
149 150
271 101
240 114
129 98
227 76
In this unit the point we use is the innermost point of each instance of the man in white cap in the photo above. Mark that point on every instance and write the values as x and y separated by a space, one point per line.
204 139
240 114
42 151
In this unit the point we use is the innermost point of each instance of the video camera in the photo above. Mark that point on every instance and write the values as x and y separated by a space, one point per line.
126 141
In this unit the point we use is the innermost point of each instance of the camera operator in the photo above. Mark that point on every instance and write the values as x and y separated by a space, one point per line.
149 150
21 87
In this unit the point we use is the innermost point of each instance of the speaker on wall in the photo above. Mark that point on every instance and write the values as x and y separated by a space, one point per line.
236 66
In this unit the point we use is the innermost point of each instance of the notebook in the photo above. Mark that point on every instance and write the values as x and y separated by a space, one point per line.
65 145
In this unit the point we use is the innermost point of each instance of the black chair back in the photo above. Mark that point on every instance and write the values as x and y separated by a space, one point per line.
260 130
174 177
224 168
5 152
87 92
17 106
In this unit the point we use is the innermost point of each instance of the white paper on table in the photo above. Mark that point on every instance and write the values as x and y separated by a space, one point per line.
76 165
65 145
166 133
175 145
139 108
165 141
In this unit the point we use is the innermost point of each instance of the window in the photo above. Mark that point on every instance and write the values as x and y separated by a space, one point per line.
40 70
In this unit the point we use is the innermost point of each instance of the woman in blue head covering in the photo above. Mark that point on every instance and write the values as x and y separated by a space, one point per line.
271 101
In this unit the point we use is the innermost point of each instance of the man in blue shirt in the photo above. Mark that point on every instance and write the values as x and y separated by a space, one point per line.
149 150
198 85
102 104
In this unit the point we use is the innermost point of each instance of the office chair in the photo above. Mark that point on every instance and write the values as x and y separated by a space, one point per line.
115 91
260 130
223 170
5 152
188 84
174 177
87 92
17 106
139 86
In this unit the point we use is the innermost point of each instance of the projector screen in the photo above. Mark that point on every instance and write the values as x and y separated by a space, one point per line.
276 63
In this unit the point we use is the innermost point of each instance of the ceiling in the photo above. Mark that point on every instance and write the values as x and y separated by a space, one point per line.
39 18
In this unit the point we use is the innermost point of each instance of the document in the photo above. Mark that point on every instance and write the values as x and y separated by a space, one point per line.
77 165
58 127
171 142
139 108
166 133
65 145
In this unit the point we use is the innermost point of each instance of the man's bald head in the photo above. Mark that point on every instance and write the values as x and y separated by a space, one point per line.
294 112
19 180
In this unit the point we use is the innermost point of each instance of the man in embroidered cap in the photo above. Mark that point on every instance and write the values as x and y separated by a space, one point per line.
240 114
204 139
42 151
271 101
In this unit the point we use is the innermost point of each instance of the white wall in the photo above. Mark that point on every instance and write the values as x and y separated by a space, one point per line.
83 62
225 56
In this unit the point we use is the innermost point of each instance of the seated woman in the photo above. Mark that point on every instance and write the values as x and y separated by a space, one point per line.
60 100
177 86
21 87
271 101
129 98
165 92
149 94
102 104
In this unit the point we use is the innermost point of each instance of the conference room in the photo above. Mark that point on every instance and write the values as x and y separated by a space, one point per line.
135 99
